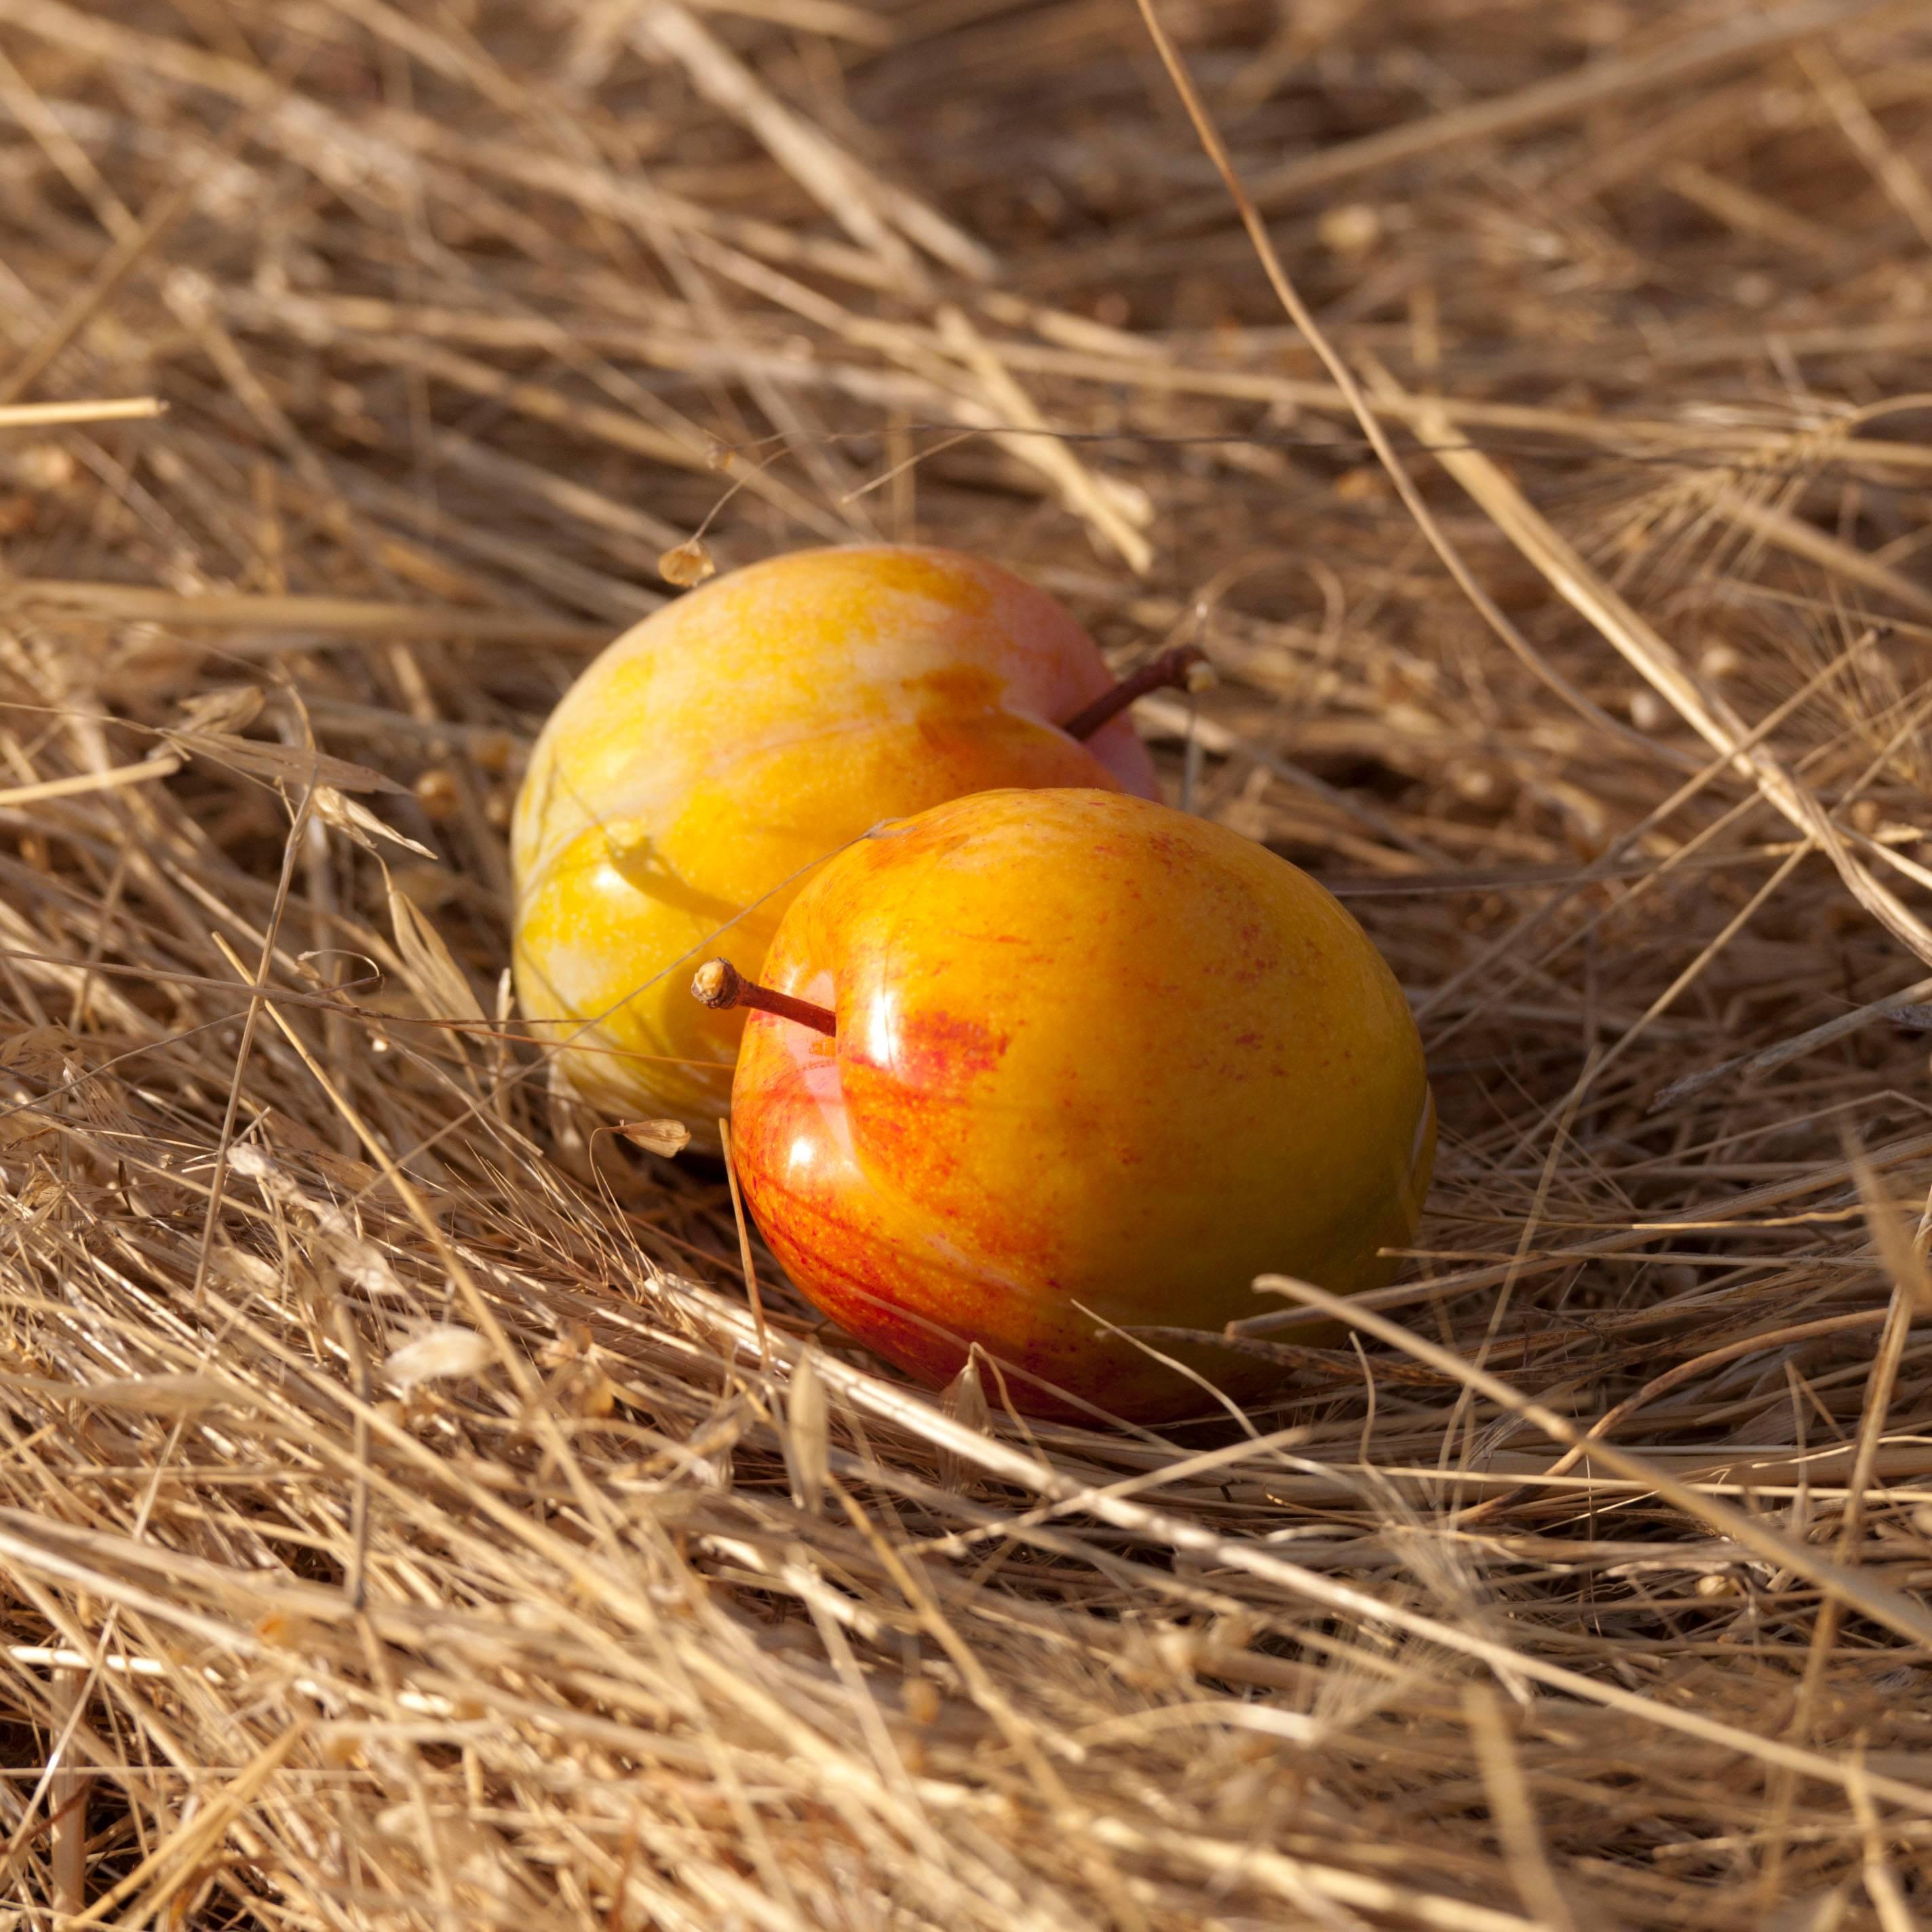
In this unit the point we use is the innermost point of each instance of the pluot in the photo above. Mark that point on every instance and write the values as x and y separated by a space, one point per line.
699 768
1094 1065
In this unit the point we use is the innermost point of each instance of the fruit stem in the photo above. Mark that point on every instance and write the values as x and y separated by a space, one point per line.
718 983
1175 668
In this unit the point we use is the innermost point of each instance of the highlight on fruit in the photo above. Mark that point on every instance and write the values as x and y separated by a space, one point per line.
697 772
1047 1067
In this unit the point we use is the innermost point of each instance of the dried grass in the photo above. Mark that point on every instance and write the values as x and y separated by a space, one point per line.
403 1520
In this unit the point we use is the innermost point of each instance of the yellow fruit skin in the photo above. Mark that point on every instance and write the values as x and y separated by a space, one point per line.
702 766
1095 1060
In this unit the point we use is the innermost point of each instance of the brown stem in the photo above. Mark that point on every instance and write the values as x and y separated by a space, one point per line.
718 983
1171 668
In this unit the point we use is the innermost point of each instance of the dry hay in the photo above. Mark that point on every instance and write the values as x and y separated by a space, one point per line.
401 1524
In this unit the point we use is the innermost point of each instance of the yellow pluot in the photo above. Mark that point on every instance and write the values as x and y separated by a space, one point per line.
1072 1064
707 762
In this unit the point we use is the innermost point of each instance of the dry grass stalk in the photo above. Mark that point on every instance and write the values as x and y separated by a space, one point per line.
405 1519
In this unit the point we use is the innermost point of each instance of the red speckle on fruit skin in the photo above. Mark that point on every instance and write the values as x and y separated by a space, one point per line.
908 1298
901 1143
930 1048
861 1286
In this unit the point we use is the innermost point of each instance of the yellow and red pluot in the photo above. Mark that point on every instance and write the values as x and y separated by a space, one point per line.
699 768
1093 1062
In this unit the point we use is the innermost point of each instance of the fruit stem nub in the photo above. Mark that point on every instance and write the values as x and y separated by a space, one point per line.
1177 668
718 983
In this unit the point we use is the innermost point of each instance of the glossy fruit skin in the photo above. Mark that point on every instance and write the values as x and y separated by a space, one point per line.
713 755
1090 1050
